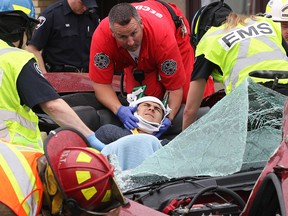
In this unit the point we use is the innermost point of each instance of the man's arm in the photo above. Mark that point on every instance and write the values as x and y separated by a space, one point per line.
194 99
31 48
107 96
174 102
64 115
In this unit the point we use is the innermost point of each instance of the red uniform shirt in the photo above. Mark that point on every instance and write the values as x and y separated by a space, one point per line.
165 57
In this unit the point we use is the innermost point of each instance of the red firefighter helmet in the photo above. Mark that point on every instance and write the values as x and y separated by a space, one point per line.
84 174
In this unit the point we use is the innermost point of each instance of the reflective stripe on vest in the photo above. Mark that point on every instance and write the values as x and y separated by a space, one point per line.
9 49
18 123
9 115
21 177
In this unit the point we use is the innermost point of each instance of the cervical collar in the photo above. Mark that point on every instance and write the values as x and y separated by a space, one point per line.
146 126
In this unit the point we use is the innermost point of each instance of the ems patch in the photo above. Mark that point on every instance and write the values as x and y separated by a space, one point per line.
169 67
37 68
41 20
251 31
101 60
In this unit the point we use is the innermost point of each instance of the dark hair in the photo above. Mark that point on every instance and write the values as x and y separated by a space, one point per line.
13 24
122 14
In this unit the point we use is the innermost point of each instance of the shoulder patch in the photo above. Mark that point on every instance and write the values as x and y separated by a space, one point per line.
37 68
42 20
101 60
169 67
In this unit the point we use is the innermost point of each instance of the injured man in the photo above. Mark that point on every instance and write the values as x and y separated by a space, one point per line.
133 147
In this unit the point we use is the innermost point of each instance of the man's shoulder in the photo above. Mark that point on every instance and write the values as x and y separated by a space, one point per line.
104 27
53 7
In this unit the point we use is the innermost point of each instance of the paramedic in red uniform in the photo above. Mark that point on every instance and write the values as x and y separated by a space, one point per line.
142 37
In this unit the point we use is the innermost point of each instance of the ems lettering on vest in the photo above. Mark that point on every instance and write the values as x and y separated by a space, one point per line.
148 9
247 32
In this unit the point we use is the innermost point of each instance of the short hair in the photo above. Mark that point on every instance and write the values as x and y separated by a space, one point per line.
122 14
5 210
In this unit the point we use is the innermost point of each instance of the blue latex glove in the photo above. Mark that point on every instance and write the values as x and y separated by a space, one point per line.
125 114
94 142
166 123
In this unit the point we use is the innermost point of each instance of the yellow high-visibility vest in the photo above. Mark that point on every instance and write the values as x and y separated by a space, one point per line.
243 49
18 123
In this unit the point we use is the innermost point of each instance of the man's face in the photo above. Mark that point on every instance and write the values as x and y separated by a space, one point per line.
24 41
150 111
284 29
129 36
77 6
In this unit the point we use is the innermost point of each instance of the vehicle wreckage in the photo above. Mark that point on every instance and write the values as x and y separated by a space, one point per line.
229 162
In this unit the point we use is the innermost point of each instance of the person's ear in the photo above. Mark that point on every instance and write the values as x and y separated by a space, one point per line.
111 28
113 34
141 24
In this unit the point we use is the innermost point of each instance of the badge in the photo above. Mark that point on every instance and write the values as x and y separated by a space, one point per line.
169 67
37 68
101 60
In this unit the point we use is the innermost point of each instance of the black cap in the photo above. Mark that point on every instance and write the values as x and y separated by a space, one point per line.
90 3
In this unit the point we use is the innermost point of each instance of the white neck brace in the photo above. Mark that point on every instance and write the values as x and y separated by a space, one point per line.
146 126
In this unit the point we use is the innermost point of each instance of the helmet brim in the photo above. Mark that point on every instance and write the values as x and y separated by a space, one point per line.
20 14
90 3
117 194
36 21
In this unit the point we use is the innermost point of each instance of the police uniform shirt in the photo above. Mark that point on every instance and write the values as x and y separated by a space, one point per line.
32 87
63 36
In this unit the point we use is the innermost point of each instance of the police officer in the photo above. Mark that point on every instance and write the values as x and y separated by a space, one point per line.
278 10
23 87
241 45
64 36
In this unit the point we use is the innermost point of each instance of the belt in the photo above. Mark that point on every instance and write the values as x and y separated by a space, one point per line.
65 68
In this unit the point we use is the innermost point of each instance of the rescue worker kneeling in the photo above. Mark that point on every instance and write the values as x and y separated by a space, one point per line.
69 179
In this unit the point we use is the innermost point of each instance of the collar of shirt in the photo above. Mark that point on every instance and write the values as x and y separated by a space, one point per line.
66 7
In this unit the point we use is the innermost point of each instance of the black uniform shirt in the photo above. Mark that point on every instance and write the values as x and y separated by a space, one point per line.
63 36
33 88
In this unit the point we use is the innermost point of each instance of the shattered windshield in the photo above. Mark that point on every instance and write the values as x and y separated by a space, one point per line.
239 133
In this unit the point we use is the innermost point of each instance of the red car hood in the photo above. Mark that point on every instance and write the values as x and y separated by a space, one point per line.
134 208
66 82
